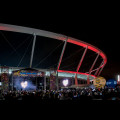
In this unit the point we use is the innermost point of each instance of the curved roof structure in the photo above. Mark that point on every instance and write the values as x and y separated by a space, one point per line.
66 39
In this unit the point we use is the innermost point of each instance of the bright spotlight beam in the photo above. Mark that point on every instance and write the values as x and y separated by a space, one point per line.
24 84
65 82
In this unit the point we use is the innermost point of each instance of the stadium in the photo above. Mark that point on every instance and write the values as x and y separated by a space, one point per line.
46 60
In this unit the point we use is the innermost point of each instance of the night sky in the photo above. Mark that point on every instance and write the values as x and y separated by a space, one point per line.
97 26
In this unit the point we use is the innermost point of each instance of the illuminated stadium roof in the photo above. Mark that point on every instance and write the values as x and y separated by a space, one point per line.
87 48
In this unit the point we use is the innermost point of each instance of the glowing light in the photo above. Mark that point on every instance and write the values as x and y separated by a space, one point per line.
75 72
24 84
10 72
65 82
118 77
20 29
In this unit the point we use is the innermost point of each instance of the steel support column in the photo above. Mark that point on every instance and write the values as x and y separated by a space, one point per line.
33 47
79 65
88 81
98 68
12 81
57 84
100 71
61 56
76 81
44 82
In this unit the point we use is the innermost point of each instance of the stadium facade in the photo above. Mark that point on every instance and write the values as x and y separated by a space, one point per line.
52 78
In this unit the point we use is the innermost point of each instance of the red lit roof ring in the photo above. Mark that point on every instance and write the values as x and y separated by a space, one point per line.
44 33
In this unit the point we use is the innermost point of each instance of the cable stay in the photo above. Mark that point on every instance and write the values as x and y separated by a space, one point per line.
71 56
72 69
93 70
69 65
62 67
52 65
68 57
18 46
86 64
24 54
73 63
8 41
22 43
88 61
48 55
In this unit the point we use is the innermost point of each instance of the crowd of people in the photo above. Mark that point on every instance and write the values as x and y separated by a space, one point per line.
63 94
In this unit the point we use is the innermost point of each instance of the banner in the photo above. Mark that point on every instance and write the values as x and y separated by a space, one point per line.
111 83
28 73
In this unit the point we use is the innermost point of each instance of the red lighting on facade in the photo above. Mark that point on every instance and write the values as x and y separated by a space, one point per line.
75 72
90 47
59 37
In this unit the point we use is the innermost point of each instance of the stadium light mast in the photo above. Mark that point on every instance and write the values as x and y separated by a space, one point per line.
33 47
